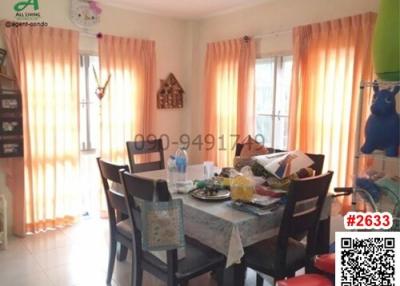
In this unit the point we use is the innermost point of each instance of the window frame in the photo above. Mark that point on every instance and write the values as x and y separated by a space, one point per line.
278 65
84 61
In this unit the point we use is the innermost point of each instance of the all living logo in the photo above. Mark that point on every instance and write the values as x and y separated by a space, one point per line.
27 10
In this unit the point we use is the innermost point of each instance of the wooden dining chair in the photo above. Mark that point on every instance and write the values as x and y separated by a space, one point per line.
318 162
281 256
145 147
317 166
199 259
117 213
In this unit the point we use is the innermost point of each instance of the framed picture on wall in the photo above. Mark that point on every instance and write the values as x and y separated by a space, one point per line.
11 148
10 101
10 126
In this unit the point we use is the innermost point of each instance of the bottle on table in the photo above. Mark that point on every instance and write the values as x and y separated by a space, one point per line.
181 162
171 169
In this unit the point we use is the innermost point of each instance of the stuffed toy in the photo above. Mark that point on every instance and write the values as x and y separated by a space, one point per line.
382 128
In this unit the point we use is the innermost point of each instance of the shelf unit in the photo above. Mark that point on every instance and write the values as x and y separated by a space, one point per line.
3 223
11 124
381 163
378 154
7 77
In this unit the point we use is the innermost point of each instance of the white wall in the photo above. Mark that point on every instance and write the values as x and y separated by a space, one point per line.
262 19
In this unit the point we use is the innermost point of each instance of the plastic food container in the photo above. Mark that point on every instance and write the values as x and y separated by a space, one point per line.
242 189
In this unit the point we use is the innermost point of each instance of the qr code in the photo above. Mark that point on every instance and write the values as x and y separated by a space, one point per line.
367 259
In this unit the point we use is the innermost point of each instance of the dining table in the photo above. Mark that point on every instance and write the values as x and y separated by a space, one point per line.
228 230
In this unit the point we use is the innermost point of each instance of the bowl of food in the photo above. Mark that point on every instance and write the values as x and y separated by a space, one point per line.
211 190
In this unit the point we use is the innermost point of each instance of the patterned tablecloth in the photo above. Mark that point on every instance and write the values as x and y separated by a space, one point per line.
221 227
225 229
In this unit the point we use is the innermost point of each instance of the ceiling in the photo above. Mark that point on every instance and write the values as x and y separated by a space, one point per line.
187 9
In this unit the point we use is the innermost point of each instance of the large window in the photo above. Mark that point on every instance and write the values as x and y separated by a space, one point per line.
273 77
89 130
89 106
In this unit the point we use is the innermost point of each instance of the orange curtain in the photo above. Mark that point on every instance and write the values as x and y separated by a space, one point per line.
330 60
126 106
229 97
46 63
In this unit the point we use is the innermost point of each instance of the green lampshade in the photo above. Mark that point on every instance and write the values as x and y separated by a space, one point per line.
386 42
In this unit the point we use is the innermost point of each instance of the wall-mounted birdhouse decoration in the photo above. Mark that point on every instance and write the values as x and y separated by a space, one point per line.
170 94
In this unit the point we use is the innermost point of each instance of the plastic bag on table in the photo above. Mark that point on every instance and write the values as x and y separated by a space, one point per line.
162 225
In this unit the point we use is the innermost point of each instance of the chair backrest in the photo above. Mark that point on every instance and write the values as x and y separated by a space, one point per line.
115 198
136 187
318 162
145 147
302 212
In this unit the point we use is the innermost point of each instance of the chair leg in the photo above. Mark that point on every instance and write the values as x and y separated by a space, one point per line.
111 259
136 273
139 277
239 273
260 280
122 253
220 276
172 281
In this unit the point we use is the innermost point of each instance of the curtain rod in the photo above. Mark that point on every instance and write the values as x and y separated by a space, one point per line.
272 34
90 35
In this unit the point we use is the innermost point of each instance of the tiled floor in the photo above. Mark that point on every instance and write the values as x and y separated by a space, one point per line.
77 256
74 256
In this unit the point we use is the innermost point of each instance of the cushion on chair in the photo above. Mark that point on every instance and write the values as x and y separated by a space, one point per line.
124 227
197 257
325 263
262 255
306 280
